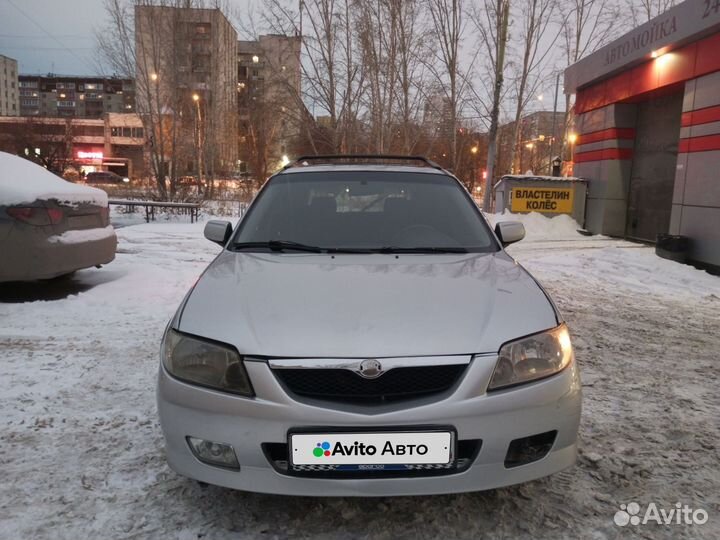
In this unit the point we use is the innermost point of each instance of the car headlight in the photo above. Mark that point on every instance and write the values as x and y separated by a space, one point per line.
205 363
532 358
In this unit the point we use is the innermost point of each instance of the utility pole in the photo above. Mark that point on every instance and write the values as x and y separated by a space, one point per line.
504 13
554 122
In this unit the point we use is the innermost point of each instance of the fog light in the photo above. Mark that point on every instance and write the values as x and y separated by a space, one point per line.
214 453
529 449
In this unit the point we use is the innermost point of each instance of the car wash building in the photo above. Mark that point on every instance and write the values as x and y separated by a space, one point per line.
647 118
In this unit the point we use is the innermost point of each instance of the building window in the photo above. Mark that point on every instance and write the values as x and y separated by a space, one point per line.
137 133
202 29
126 132
65 86
66 103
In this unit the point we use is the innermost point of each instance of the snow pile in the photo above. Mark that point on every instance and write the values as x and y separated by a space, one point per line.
541 227
22 181
80 236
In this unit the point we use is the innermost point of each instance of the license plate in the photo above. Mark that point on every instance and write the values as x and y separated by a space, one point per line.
388 448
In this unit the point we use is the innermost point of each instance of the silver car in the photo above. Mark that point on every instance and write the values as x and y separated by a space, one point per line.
363 332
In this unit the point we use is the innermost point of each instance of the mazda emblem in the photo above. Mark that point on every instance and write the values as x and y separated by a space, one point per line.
370 369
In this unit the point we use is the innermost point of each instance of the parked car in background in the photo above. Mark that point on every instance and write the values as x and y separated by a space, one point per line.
364 333
48 226
105 177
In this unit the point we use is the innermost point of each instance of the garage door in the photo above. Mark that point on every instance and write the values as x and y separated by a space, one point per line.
653 170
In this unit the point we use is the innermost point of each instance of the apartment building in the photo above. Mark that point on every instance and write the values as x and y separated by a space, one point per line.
269 97
75 96
9 96
186 71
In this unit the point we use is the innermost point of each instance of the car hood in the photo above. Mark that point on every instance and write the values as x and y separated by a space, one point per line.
310 305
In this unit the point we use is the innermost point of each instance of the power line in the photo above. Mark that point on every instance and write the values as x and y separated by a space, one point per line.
45 48
35 36
56 40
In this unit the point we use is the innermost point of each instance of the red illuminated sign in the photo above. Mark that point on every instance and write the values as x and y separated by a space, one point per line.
89 155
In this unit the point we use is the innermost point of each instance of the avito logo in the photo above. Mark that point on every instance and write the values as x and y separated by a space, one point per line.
322 449
361 449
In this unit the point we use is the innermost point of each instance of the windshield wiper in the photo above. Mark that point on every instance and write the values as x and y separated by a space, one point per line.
277 245
421 249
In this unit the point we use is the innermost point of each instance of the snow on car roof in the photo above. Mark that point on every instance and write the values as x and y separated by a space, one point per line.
22 181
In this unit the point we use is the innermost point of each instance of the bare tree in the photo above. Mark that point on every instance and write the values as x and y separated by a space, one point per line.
535 18
642 11
586 25
378 37
411 49
46 141
331 70
491 22
448 26
151 46
116 47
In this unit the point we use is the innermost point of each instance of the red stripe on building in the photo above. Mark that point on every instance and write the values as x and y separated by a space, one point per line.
606 135
699 144
683 64
602 155
701 116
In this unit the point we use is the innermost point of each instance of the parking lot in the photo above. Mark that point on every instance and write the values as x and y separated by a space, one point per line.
82 451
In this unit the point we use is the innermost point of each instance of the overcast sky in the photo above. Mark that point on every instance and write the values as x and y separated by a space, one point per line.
58 36
55 36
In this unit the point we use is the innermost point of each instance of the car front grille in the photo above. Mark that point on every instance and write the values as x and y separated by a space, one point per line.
344 385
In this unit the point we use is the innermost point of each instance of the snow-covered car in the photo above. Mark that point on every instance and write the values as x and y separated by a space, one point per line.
363 332
48 226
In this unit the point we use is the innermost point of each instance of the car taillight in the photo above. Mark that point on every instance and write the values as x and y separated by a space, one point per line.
55 215
35 215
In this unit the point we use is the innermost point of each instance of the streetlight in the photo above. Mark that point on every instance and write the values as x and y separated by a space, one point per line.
198 122
572 139
153 77
473 171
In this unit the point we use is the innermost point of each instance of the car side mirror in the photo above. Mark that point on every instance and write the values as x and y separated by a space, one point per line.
218 231
509 232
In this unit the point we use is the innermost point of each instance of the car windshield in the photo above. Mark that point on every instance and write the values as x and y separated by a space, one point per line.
364 211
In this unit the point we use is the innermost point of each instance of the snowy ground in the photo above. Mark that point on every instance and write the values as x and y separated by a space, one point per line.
81 450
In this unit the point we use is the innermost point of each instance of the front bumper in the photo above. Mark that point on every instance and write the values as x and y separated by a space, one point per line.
496 419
